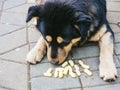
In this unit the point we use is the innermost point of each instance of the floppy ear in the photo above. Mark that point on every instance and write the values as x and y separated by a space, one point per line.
34 11
83 22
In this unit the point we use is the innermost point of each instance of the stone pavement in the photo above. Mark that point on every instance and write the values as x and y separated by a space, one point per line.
16 40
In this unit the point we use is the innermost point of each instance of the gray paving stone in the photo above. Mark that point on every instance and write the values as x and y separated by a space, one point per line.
30 1
18 55
106 87
119 58
113 6
0 4
3 88
84 52
13 18
74 89
94 62
115 28
12 40
44 83
117 48
13 75
39 69
20 9
113 0
113 17
95 80
117 37
4 28
33 35
13 3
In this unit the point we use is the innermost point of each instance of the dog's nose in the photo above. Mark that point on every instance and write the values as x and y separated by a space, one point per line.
53 55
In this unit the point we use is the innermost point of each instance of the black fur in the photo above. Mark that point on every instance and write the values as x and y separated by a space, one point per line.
58 17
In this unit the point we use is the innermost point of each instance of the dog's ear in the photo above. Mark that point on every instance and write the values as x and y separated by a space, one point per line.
83 22
34 11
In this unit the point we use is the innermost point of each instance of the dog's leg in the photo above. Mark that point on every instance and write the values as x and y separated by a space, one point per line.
107 67
37 53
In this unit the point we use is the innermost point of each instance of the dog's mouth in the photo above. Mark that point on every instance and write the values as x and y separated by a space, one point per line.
58 55
59 58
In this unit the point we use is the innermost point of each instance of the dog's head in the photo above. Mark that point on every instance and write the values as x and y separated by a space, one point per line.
61 27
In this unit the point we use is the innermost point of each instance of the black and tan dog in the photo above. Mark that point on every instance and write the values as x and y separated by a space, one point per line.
63 23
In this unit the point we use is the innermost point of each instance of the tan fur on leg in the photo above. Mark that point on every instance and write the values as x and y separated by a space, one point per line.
37 53
107 67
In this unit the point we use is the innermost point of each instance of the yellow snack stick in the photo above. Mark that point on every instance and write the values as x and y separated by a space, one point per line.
71 63
64 64
72 74
49 70
66 70
48 74
88 72
78 72
83 65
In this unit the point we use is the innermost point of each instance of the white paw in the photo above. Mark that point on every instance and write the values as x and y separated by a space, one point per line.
108 72
35 56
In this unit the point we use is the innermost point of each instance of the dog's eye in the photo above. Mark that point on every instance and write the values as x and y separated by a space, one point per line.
48 38
59 39
62 41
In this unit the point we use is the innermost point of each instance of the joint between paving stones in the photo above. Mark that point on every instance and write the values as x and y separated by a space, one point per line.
13 49
1 9
9 60
28 67
81 84
7 88
12 31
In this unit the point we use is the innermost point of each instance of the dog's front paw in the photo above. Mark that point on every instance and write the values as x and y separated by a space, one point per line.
35 56
108 72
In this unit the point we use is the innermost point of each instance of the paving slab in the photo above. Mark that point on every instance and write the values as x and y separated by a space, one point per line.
117 48
33 35
13 3
95 80
119 58
73 89
117 37
1 4
85 52
6 28
17 55
115 28
3 88
113 6
39 69
13 75
13 18
12 40
113 17
94 62
105 87
44 83
19 9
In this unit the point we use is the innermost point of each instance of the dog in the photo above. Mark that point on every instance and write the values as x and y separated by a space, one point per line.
64 23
